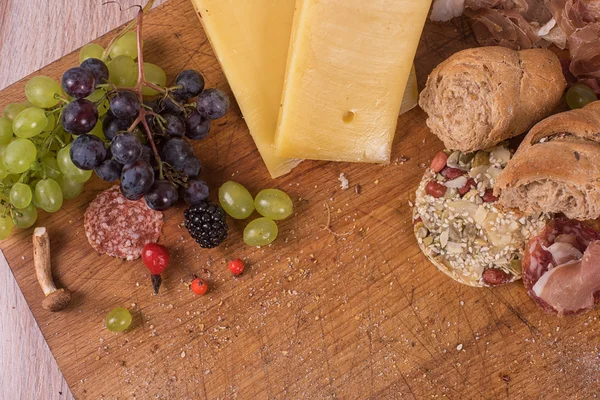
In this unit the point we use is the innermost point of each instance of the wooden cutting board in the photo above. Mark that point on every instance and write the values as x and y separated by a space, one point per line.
349 311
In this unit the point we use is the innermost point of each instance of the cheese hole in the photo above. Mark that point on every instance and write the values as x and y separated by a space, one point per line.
348 117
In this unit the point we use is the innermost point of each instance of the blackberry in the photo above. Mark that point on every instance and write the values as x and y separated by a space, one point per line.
206 223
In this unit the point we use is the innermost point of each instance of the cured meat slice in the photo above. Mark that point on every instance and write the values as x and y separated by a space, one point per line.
119 227
561 267
569 288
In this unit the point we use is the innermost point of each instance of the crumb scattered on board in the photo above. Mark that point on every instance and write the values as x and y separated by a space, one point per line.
344 183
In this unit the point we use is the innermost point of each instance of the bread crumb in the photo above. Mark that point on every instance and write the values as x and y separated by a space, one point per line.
459 347
343 181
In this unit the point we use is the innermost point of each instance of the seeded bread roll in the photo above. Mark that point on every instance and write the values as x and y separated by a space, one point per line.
459 227
557 167
479 97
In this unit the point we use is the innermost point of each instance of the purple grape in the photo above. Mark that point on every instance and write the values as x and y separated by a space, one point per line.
126 148
196 192
78 82
109 170
112 125
87 152
161 196
174 125
192 167
197 127
192 83
97 68
136 180
79 116
125 104
168 105
153 105
212 104
147 154
177 152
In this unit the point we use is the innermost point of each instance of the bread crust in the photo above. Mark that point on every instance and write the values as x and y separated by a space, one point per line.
557 167
479 97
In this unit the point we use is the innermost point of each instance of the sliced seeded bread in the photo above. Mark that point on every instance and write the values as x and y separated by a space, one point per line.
557 167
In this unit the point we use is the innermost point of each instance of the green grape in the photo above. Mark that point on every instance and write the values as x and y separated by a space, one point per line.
97 131
11 179
51 122
6 226
274 204
260 232
50 167
6 132
25 217
70 188
126 45
48 195
122 71
153 74
236 200
30 122
41 91
32 185
97 95
3 171
11 110
580 95
20 195
68 169
27 104
19 155
118 319
103 107
91 50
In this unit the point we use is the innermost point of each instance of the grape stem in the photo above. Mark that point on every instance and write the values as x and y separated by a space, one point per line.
129 27
137 89
59 97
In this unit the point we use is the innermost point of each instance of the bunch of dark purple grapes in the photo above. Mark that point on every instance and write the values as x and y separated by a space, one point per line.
144 144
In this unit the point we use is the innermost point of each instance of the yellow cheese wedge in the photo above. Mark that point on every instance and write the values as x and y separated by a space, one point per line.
411 93
251 40
348 65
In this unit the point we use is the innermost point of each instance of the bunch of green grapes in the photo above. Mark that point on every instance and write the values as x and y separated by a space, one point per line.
272 204
36 171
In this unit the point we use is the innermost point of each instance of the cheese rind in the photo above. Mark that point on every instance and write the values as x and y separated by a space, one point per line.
348 66
251 40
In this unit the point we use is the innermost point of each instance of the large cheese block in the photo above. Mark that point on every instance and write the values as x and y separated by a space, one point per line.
251 38
348 65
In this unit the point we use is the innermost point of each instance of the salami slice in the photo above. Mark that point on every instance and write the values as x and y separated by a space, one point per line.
538 258
119 227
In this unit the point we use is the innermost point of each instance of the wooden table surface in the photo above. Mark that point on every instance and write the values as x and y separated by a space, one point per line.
343 306
34 33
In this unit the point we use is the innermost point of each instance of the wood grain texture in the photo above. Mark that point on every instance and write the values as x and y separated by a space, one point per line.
27 368
346 309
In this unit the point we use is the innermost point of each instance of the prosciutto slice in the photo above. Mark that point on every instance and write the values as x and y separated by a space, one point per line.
523 24
563 253
570 287
561 267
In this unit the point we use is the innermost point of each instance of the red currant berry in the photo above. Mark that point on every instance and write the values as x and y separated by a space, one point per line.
236 267
199 286
155 257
